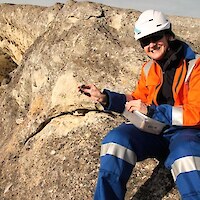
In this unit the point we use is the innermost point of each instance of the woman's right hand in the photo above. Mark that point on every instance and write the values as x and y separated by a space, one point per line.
94 93
136 105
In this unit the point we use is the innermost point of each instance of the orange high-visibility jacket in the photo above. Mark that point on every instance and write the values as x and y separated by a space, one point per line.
185 88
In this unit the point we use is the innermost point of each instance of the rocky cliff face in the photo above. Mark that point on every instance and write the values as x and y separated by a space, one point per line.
50 134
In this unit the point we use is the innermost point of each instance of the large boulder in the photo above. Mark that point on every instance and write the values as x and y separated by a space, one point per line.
50 133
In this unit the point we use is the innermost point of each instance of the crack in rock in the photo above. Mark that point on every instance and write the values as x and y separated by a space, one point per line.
76 112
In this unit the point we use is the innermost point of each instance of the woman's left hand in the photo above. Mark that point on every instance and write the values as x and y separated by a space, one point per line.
136 105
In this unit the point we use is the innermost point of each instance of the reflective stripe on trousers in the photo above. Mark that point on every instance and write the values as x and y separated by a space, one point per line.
184 162
120 150
184 165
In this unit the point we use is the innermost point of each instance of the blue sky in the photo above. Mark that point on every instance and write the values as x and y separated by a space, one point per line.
170 7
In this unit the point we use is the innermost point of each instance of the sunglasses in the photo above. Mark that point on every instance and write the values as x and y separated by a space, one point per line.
152 38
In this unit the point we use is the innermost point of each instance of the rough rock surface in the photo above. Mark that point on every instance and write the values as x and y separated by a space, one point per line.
51 134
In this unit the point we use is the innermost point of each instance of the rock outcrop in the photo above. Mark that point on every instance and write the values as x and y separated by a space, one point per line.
51 134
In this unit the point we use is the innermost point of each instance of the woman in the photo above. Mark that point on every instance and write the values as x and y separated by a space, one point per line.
168 91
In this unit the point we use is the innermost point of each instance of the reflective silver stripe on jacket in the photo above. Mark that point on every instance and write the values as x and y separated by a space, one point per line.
177 115
147 67
191 65
185 164
119 151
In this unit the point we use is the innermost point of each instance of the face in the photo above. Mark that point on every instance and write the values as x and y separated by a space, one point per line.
156 45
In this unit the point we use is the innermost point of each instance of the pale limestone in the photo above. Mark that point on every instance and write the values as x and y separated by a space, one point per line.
50 133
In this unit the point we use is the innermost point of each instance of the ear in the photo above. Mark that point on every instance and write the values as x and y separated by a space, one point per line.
170 38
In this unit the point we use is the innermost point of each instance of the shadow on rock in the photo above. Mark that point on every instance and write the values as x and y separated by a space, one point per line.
157 186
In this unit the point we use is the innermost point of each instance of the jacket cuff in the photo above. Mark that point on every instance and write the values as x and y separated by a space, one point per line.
163 113
116 101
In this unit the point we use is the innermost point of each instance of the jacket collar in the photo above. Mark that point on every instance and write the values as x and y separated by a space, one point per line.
178 50
189 54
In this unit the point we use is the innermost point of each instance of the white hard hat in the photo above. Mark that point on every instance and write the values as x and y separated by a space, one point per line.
150 21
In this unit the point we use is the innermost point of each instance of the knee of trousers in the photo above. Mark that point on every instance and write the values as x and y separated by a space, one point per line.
184 154
117 155
183 146
122 135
